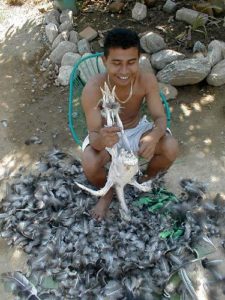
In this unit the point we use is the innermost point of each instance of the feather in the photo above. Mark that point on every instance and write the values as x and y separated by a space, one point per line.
21 285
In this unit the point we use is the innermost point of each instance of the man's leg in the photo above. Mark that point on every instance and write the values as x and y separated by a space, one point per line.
93 163
165 154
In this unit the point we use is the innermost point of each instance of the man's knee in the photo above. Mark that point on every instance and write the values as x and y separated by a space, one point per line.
92 161
170 148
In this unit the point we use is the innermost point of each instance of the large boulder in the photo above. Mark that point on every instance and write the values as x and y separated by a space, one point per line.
190 16
145 63
216 52
217 74
152 42
139 12
164 57
51 31
52 17
63 36
185 72
62 48
70 58
64 75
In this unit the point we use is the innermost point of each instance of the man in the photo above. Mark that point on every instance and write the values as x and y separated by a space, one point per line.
149 140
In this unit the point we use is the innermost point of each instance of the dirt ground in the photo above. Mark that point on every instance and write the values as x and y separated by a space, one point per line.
28 109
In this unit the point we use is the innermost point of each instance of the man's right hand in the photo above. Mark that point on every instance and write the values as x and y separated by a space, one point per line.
109 136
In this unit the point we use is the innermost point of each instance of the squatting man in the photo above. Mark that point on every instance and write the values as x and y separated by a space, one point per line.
150 140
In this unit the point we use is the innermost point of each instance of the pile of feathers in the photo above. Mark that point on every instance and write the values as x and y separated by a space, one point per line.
47 215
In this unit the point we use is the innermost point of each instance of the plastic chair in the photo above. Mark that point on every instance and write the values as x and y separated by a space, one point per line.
84 68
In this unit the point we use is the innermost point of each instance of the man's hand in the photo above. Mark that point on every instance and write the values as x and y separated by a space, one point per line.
109 136
147 146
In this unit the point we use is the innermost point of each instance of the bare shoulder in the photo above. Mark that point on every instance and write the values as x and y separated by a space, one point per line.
148 80
92 93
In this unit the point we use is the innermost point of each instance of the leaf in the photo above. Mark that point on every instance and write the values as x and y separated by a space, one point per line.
155 207
165 234
179 232
145 200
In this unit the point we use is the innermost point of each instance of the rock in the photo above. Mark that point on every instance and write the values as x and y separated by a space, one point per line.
83 46
64 75
145 64
46 63
164 57
88 33
51 31
168 90
152 42
184 72
139 12
62 48
169 7
52 17
189 16
115 7
70 58
217 74
199 47
63 36
73 37
215 52
66 26
66 15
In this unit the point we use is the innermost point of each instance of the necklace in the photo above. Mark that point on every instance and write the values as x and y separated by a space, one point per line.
129 96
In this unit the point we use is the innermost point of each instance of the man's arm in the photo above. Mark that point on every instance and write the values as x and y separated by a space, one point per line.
100 136
155 107
149 141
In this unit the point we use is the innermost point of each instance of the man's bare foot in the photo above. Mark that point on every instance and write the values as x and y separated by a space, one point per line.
100 210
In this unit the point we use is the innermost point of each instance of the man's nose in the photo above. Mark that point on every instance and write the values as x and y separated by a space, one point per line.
124 70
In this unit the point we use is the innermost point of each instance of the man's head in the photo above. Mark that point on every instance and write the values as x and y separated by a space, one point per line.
121 56
121 38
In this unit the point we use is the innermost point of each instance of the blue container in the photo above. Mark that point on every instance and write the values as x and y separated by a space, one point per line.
66 4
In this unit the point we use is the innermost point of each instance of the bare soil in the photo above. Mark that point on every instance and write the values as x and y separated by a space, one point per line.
28 109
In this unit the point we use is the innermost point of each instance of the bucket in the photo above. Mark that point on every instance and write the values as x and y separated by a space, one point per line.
66 4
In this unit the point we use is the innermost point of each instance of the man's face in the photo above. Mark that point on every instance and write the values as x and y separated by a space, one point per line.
122 65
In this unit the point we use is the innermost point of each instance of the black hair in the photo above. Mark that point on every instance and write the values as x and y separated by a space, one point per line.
121 38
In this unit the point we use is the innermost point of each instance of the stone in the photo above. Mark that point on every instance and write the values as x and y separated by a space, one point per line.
73 37
189 16
88 33
51 31
215 52
199 47
83 46
70 58
64 75
63 36
164 57
168 90
46 63
62 48
169 7
115 7
66 15
66 26
139 12
52 17
217 74
152 42
185 72
145 64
